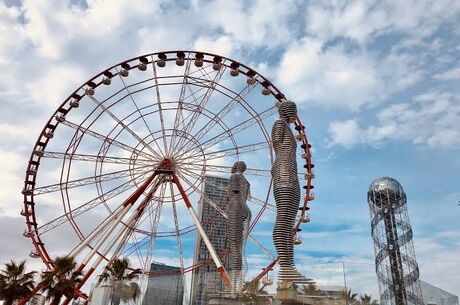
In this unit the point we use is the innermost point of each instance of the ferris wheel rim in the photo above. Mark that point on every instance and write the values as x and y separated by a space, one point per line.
42 142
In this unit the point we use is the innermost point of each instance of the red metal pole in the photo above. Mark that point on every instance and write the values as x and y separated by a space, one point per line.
220 267
130 200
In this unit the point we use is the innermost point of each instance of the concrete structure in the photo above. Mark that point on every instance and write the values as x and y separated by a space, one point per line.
435 295
165 286
100 295
206 280
395 263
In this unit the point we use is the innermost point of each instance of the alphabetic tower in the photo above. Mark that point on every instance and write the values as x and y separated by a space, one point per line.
395 262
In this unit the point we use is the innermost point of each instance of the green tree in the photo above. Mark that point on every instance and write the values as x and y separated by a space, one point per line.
349 297
15 283
121 278
62 281
366 299
253 294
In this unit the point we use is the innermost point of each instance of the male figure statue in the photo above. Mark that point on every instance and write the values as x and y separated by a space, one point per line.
239 216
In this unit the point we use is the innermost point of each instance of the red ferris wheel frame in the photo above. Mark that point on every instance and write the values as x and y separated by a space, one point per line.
137 62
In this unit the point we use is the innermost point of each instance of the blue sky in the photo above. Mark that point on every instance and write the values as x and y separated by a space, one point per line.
377 85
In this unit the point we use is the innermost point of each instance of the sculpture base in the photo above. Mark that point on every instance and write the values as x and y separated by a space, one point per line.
224 301
286 291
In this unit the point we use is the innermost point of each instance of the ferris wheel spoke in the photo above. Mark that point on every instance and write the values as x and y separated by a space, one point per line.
262 203
216 207
138 250
162 122
87 180
92 158
111 141
221 114
179 117
178 239
237 128
228 169
205 72
135 104
261 247
202 104
252 199
114 192
225 169
238 150
154 220
125 229
125 126
204 196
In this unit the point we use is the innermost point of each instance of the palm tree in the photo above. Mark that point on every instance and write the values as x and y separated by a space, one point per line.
121 277
62 281
366 300
15 283
350 297
251 290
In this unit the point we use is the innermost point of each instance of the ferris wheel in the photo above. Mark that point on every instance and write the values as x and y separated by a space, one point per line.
120 167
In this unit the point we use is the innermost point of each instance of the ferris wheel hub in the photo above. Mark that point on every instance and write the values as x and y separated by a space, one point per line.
165 166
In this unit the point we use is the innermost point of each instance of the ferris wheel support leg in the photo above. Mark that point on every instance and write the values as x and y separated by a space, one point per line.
209 246
263 273
99 228
124 230
102 240
31 294
127 204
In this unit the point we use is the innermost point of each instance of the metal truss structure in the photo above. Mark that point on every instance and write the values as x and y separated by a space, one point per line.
395 263
122 161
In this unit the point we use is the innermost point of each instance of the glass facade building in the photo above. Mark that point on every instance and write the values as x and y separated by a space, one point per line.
165 286
206 281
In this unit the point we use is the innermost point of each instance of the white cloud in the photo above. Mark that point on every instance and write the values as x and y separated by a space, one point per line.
362 21
223 45
330 76
345 133
262 23
12 33
55 84
437 256
431 119
353 20
451 74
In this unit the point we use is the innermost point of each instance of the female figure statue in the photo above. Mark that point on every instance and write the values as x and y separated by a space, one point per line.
239 217
286 191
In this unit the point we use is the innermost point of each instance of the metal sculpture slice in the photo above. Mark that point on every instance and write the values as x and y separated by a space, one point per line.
239 216
286 191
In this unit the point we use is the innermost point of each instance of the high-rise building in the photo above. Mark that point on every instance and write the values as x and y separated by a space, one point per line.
165 286
395 263
206 281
